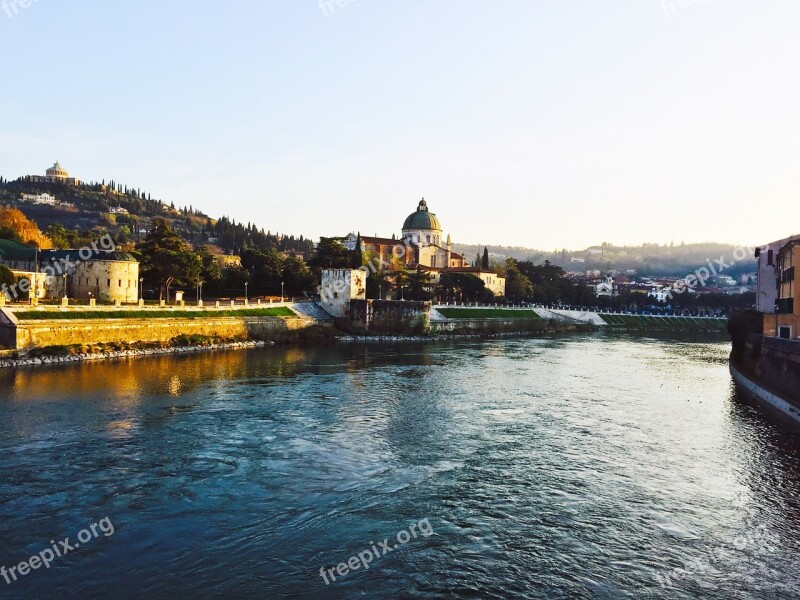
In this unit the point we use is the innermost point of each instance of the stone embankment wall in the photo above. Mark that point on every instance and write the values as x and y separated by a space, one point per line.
488 326
389 316
67 332
771 362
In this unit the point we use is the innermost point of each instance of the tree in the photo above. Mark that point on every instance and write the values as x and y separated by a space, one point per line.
16 226
357 257
518 286
264 268
416 285
464 287
331 254
6 277
168 259
379 283
485 261
297 276
210 272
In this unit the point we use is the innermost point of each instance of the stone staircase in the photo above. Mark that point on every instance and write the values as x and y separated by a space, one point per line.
311 310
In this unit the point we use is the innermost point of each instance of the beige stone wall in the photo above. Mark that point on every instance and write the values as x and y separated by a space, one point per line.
106 281
339 286
494 282
67 332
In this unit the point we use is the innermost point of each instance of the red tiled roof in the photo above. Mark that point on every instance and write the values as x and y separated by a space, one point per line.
380 241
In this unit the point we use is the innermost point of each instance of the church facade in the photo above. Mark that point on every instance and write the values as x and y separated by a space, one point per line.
55 174
422 246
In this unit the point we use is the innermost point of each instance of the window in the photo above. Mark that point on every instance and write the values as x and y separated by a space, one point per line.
120 283
785 333
770 256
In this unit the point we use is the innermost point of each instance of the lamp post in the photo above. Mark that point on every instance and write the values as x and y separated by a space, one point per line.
141 288
281 292
246 283
201 291
65 284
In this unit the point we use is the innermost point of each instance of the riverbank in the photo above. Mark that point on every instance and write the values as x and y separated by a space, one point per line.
56 355
65 355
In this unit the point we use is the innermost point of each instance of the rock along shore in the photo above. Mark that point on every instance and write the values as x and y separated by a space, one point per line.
78 358
28 361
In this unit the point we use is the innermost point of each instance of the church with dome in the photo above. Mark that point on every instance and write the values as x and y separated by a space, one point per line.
425 249
55 174
421 236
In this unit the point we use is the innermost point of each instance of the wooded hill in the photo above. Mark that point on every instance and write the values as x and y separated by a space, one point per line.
88 208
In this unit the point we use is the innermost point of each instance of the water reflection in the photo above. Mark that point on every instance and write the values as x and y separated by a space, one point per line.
549 467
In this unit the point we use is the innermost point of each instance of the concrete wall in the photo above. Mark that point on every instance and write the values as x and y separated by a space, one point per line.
338 287
773 363
389 316
582 316
8 329
488 325
67 332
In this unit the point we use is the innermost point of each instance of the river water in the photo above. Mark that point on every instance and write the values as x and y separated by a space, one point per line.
583 466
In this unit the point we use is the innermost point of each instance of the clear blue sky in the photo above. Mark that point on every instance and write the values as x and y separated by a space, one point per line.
545 124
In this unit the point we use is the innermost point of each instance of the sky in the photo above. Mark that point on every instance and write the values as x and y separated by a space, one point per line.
545 124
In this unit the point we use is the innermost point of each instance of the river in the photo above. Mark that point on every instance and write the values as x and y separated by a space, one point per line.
575 466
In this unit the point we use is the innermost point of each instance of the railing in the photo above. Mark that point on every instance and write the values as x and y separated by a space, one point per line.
593 309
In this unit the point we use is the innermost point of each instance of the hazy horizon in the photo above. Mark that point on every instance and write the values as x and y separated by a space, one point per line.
543 126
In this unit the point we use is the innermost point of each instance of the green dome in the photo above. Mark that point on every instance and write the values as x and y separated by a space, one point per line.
422 219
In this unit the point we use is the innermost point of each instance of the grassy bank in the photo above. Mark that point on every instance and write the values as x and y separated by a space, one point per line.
487 313
649 323
31 315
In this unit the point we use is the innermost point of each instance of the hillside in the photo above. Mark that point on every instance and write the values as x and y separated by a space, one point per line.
127 214
646 260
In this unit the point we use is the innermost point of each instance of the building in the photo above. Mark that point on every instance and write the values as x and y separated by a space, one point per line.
118 210
227 261
767 274
338 287
422 246
55 174
96 273
47 199
606 288
493 282
778 287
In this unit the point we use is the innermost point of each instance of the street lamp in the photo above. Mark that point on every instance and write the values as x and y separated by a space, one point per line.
65 284
281 292
141 288
201 291
246 283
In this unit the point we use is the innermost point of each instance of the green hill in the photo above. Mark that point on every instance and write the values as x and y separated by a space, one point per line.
95 208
